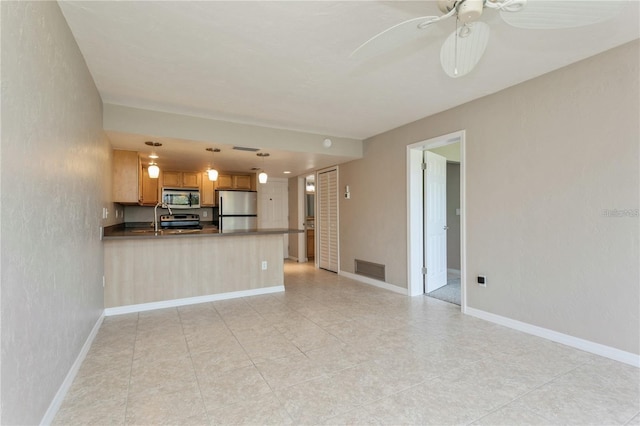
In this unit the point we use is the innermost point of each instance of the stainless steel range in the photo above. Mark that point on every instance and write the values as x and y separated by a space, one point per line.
180 221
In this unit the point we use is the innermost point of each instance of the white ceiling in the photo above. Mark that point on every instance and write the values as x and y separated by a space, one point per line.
287 65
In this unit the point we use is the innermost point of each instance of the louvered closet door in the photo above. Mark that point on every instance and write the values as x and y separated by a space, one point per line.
327 221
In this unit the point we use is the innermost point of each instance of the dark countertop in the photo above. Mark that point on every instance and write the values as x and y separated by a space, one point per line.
125 231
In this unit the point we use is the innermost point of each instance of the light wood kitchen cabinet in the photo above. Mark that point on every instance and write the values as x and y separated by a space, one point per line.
311 244
207 191
173 179
181 179
131 181
125 177
232 181
191 179
224 182
242 182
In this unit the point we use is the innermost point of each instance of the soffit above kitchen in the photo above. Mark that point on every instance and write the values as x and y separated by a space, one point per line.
287 65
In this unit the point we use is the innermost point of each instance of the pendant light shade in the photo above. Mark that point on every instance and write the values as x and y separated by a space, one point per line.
211 171
153 170
262 177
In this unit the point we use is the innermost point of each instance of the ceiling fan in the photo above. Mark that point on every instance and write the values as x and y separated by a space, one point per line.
463 49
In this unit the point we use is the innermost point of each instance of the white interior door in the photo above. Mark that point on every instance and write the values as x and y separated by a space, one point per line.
273 207
435 220
327 219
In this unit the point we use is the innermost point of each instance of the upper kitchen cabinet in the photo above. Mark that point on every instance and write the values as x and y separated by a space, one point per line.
233 181
181 179
131 181
125 177
207 191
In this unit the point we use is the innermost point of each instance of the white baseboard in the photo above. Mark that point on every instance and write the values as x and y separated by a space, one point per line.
128 309
56 403
292 258
565 339
373 282
454 272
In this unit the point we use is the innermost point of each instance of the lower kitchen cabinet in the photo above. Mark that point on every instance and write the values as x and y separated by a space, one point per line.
311 243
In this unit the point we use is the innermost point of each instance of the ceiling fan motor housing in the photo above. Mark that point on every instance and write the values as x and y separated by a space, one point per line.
467 10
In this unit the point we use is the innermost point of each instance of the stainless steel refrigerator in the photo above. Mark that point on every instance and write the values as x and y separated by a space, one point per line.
237 210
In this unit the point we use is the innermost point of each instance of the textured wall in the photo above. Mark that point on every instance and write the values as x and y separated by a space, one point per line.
544 160
55 172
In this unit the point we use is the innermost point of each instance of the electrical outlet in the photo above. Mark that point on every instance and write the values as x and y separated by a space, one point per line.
264 265
482 280
204 213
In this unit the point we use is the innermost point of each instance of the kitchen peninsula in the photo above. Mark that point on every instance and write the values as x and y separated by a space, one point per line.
148 270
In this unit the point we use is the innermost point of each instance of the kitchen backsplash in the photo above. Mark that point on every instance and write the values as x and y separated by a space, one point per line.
145 214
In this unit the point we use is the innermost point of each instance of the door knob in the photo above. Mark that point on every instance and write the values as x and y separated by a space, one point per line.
445 227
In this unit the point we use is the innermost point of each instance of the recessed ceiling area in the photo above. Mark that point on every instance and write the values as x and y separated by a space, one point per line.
287 65
190 155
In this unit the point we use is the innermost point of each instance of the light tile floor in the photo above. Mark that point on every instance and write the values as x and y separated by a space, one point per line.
333 351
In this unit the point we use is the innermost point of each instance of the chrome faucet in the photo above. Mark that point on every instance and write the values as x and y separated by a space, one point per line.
155 214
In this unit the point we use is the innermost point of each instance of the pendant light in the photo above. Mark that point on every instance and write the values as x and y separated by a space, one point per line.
153 170
262 177
211 171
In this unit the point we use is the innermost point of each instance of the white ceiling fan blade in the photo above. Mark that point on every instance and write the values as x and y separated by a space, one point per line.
399 32
459 60
544 14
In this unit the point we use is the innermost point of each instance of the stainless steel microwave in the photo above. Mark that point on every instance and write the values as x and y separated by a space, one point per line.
180 198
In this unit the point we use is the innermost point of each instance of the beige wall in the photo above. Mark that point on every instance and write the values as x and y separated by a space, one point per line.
544 159
55 172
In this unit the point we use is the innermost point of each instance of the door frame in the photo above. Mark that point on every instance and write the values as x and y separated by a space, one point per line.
302 240
415 203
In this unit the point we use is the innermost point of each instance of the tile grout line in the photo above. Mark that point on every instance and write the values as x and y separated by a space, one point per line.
133 355
195 374
551 380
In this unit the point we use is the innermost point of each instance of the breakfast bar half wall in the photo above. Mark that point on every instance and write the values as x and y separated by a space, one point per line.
147 271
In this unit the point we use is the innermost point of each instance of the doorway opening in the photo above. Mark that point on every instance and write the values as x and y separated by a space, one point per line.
310 216
424 242
442 223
